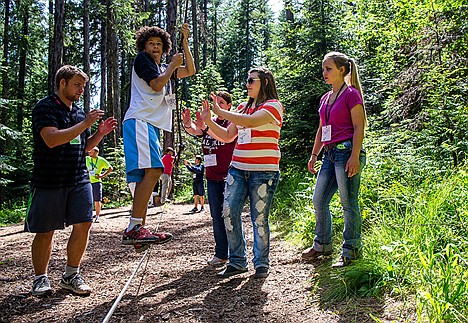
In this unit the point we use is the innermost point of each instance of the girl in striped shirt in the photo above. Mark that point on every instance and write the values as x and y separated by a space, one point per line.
254 170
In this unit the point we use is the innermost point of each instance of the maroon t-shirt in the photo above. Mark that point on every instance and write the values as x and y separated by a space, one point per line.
223 152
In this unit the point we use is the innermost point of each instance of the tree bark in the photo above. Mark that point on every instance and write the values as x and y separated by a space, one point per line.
196 55
22 68
86 57
171 17
56 47
103 94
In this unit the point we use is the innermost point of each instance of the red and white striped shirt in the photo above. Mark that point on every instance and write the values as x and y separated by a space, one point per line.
261 152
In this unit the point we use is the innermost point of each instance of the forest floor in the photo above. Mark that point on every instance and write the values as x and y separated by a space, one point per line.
174 283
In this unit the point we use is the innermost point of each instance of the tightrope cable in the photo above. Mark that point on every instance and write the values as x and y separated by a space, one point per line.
116 303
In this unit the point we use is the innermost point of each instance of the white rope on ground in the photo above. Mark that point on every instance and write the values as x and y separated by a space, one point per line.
122 292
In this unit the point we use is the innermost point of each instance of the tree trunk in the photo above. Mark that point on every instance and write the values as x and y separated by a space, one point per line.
171 16
113 84
196 52
56 47
288 7
86 58
205 33
103 94
215 34
22 68
6 43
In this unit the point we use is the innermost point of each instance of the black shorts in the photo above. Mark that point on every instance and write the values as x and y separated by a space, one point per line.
198 188
55 208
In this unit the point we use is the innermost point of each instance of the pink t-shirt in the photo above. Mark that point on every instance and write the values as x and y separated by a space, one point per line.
339 117
168 162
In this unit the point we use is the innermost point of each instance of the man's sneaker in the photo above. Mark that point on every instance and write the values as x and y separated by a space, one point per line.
230 271
141 247
76 284
217 262
141 235
194 210
96 219
41 286
202 209
261 272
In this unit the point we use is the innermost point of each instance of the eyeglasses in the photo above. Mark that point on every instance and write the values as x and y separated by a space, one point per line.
250 80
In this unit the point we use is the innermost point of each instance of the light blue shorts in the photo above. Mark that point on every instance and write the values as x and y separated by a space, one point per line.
141 147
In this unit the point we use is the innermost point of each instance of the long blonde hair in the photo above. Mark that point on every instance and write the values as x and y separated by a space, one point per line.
351 72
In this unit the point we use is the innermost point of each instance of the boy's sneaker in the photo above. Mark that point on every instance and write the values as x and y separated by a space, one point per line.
202 209
41 286
217 262
141 235
96 219
141 247
194 210
261 272
76 284
230 271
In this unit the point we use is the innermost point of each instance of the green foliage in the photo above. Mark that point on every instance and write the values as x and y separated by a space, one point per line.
12 213
115 186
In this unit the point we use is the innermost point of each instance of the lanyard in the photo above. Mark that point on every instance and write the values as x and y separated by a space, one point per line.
328 110
93 165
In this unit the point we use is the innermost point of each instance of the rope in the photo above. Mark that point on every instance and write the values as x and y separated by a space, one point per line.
122 292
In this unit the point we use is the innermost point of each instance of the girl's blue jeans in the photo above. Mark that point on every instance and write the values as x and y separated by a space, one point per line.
259 187
332 177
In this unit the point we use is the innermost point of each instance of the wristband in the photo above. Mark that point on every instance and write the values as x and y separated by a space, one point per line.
187 127
206 129
315 155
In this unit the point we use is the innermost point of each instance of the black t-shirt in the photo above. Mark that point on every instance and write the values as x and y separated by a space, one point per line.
64 165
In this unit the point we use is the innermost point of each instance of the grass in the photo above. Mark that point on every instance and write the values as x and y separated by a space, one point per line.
415 239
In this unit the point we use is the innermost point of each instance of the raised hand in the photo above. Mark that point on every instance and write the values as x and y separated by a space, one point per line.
185 31
200 123
92 117
186 118
107 125
205 112
177 60
216 108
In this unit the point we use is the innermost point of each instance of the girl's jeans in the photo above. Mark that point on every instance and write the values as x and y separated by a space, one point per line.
259 186
332 176
215 198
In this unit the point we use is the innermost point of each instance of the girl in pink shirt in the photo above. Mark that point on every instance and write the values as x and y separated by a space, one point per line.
340 135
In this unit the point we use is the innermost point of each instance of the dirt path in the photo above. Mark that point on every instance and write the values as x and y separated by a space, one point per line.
177 285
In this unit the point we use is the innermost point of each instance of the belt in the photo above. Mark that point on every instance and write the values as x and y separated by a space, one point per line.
338 145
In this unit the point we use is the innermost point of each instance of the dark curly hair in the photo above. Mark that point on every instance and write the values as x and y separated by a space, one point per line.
145 33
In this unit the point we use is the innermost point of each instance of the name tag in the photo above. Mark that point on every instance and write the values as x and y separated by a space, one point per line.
210 160
171 101
326 133
244 136
76 141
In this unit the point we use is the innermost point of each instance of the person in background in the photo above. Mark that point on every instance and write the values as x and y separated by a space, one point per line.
151 104
254 171
61 193
217 158
95 165
340 135
166 180
198 184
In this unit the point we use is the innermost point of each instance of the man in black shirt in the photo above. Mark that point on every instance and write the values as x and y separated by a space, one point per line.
61 193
